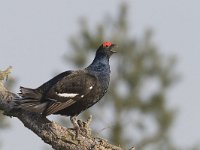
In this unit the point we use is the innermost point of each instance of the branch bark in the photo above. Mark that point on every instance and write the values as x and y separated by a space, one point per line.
59 137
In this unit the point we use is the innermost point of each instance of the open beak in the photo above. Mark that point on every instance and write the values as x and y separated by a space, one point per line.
113 46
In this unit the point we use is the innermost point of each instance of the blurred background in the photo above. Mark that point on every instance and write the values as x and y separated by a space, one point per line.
153 100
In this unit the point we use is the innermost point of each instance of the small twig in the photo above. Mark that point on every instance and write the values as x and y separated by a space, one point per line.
4 74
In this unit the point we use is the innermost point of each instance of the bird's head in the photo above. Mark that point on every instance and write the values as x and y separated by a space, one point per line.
106 48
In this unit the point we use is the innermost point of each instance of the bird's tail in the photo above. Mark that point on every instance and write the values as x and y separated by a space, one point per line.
28 93
30 100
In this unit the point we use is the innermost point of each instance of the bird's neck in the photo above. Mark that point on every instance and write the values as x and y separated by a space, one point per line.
100 63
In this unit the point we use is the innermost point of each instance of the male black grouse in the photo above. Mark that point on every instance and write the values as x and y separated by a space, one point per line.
71 92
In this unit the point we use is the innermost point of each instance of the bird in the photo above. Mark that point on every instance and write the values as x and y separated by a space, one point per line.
71 92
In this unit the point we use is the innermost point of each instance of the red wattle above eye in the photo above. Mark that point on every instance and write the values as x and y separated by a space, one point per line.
107 44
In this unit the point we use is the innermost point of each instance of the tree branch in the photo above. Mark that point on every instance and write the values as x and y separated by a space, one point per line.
59 137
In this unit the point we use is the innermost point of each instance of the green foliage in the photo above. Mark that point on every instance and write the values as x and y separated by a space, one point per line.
141 77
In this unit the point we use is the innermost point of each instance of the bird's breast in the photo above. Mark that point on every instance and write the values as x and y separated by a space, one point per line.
101 87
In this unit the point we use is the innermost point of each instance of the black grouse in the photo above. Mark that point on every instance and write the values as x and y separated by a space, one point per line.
71 92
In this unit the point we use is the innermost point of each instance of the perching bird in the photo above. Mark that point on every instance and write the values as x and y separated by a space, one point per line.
71 92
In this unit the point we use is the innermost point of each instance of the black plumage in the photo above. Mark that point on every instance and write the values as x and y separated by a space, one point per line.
71 92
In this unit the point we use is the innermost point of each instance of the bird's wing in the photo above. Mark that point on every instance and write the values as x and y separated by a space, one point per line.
69 90
56 106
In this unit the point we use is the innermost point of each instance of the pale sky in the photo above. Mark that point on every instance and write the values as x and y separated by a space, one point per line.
33 39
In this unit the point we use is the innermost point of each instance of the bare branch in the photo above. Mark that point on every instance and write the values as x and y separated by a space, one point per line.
59 137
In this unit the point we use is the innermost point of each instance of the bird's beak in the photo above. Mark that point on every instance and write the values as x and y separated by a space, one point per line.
113 46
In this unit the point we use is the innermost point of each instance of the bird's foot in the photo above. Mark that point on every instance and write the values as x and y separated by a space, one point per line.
81 127
76 126
85 126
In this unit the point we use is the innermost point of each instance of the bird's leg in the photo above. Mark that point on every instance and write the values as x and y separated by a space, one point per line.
74 121
75 124
84 126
